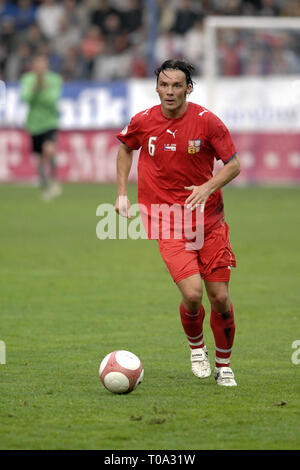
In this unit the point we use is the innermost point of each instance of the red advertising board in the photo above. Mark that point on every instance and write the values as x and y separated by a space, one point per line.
83 156
90 156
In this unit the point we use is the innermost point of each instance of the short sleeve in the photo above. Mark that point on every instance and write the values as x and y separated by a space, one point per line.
220 139
130 135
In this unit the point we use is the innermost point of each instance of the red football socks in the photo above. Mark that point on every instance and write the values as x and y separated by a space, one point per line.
192 324
223 327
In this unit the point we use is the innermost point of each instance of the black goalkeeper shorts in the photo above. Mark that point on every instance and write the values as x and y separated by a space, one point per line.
38 140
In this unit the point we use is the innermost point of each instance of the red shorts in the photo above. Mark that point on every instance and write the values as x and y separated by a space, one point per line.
213 261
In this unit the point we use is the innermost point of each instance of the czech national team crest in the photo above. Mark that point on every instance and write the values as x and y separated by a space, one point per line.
194 146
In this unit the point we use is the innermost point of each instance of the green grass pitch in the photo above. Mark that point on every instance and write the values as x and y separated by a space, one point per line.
67 299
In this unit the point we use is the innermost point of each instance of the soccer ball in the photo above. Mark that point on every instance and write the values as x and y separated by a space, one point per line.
121 371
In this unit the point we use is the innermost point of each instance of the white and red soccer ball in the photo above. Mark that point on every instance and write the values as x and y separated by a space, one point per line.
121 371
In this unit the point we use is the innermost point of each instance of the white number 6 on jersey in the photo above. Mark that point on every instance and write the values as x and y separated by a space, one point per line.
151 145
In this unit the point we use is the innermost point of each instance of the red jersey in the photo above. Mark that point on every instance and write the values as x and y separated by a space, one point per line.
176 153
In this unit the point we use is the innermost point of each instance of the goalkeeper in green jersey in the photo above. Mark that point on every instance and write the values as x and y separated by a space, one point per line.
41 90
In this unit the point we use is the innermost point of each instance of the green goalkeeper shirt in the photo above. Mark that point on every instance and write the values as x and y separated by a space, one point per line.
42 114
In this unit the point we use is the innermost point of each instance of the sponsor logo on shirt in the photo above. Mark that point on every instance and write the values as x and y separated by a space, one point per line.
170 147
194 146
171 132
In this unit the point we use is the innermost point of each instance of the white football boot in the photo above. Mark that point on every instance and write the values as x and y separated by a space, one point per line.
224 377
46 195
200 363
55 189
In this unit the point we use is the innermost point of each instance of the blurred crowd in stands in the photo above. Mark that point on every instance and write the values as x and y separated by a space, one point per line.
107 40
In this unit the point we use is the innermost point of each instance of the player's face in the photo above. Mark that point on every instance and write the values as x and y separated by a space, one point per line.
173 89
40 64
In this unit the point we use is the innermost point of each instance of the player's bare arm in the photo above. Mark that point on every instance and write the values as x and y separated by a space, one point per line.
200 194
124 163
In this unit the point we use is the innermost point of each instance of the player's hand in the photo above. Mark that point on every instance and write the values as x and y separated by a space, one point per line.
198 197
122 206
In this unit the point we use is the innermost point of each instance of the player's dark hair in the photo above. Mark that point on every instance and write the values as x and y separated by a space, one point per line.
176 64
40 55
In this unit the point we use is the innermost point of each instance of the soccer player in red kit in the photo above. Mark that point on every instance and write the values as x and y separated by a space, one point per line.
179 141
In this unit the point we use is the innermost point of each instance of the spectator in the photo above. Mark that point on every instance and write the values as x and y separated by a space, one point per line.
255 64
269 8
48 15
8 10
290 8
54 60
76 14
73 66
168 45
7 34
115 62
67 37
138 50
226 7
7 42
229 62
120 5
194 45
166 16
250 7
25 14
121 43
112 27
60 27
98 15
132 18
18 63
283 60
92 45
185 17
33 37
138 67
